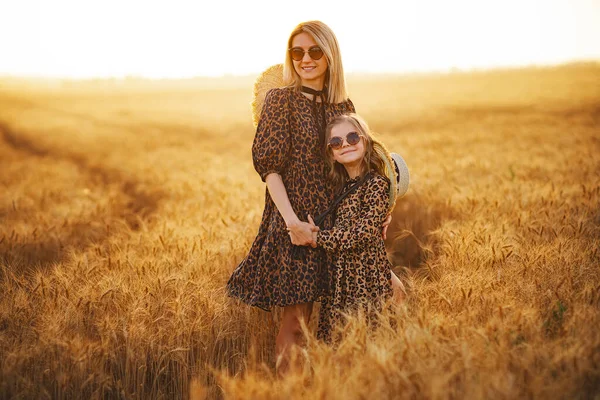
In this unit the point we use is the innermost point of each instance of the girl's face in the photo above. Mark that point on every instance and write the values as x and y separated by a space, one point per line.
348 154
311 72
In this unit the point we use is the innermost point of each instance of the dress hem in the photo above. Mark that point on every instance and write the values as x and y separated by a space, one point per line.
265 307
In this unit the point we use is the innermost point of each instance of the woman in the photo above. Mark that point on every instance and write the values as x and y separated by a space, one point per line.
287 154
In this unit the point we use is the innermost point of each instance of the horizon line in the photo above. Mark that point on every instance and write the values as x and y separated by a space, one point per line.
250 75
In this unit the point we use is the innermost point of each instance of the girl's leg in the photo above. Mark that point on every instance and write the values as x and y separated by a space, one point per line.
290 333
398 289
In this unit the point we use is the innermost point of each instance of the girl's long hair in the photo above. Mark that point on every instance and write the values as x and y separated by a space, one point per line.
325 38
371 161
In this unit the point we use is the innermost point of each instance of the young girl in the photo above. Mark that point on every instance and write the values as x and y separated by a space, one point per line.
360 272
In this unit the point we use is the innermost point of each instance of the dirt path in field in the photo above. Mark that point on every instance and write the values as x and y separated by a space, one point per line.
132 201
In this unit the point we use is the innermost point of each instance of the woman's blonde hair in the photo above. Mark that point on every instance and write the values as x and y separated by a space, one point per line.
326 40
371 161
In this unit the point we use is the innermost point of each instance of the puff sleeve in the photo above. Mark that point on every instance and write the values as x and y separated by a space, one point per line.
272 142
367 227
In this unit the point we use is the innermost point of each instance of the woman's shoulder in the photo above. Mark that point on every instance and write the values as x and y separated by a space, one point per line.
281 91
281 96
277 93
276 100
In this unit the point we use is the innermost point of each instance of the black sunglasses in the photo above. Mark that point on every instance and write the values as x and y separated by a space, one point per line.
314 52
337 142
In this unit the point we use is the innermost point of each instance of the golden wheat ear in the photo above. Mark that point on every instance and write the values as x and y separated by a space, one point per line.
269 79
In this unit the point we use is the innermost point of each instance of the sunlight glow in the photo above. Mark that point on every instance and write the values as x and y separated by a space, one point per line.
185 38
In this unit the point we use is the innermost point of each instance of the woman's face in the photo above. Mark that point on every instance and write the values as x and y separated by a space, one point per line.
348 154
311 72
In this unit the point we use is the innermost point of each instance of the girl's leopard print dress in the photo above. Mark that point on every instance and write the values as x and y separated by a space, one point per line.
360 272
288 142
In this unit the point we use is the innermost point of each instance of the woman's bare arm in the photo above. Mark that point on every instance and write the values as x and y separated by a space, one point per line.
300 232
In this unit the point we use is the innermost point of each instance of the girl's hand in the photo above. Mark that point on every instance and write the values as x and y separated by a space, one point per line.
312 222
386 223
315 229
301 233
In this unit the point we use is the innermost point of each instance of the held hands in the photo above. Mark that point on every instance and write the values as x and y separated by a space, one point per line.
303 233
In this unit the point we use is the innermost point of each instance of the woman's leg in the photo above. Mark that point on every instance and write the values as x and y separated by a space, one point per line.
398 289
290 333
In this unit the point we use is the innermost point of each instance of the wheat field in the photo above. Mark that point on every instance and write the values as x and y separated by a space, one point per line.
125 205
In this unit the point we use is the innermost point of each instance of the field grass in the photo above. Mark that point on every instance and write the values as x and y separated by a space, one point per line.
124 207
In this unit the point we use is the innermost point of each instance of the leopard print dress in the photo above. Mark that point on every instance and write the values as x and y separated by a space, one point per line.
360 272
288 142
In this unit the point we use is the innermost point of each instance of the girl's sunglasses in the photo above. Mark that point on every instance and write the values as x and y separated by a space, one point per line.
337 142
314 52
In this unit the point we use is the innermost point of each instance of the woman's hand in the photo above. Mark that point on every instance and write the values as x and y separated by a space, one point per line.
301 233
386 223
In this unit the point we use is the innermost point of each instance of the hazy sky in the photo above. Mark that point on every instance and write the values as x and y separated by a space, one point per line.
181 38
